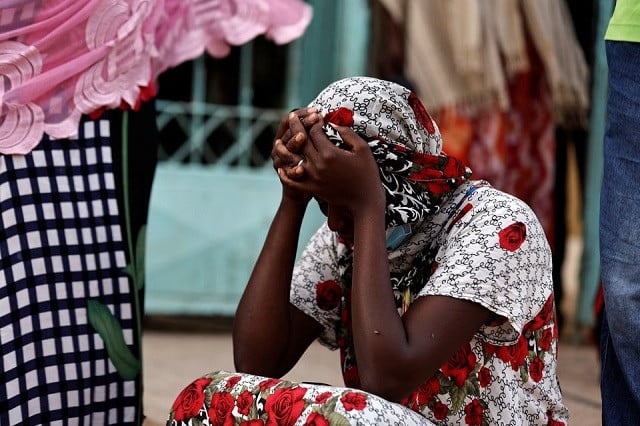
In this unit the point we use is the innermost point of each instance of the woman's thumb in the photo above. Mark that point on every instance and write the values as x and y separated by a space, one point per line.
348 136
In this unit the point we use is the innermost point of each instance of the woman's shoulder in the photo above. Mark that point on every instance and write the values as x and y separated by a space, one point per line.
482 192
480 209
485 199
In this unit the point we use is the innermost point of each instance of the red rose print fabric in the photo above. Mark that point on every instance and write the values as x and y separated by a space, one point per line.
219 412
328 294
512 237
481 245
341 117
231 399
189 401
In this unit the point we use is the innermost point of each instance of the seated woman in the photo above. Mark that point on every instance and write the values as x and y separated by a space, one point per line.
436 289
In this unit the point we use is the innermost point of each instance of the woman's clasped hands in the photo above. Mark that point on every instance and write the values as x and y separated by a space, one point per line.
310 165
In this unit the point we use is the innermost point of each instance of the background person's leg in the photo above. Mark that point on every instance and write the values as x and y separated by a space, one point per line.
620 236
615 391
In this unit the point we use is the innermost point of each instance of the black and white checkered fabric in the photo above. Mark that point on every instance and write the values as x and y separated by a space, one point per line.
61 244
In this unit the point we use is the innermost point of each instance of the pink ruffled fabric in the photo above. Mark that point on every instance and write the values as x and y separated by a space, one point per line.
60 59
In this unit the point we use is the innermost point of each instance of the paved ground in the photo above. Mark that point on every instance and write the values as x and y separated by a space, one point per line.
173 359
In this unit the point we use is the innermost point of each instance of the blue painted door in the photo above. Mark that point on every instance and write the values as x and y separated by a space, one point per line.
205 232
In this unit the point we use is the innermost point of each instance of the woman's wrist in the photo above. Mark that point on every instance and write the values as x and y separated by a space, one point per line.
371 205
294 203
369 217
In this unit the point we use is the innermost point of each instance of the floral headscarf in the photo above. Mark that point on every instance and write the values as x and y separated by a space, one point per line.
405 142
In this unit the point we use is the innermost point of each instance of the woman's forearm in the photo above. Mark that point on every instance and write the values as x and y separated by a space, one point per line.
396 354
379 335
262 322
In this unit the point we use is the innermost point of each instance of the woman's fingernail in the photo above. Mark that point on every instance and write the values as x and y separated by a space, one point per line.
292 115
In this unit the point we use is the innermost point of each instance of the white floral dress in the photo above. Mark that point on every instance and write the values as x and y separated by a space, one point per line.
489 248
485 246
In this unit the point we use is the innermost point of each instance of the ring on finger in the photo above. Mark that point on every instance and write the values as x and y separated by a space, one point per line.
300 162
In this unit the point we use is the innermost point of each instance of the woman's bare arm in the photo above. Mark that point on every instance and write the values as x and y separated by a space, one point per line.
269 334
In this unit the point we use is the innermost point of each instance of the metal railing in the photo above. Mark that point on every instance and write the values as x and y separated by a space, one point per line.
205 125
202 120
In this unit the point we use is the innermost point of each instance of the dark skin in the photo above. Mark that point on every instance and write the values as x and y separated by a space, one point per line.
395 354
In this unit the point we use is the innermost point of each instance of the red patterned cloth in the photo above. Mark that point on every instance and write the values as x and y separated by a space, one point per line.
513 149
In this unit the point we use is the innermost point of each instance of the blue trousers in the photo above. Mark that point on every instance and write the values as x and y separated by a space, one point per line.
620 239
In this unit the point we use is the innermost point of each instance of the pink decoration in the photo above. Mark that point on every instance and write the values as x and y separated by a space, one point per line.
60 59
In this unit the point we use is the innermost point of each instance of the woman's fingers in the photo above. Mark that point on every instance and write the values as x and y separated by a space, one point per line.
286 160
318 141
297 129
295 142
288 179
349 137
283 126
324 147
298 126
284 131
282 157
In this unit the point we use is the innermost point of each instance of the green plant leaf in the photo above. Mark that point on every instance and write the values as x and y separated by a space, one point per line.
129 270
471 386
139 257
135 269
108 327
337 419
457 398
